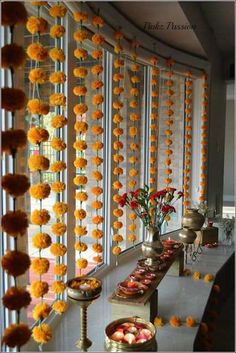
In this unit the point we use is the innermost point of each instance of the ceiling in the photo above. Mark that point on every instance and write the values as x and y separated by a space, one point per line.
218 14
156 18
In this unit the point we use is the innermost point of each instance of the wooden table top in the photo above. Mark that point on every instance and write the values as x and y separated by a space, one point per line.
142 299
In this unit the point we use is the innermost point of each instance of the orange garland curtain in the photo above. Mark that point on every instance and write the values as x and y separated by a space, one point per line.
133 132
154 126
15 222
80 145
169 83
118 94
58 101
37 164
187 139
97 132
204 139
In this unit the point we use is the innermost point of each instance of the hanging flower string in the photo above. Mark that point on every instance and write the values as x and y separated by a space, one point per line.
58 100
187 139
169 123
37 164
80 145
97 132
118 91
15 222
204 141
134 117
154 129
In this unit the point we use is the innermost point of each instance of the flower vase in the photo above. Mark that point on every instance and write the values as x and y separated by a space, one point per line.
152 247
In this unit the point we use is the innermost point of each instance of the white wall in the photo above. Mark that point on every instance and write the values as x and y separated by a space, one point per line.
229 157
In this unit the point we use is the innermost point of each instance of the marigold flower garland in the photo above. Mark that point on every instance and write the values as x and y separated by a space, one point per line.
38 163
80 145
97 131
118 92
58 100
14 222
204 141
169 122
154 129
187 139
134 117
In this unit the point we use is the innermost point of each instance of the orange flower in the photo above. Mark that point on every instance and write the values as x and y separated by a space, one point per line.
41 240
57 99
16 298
81 247
118 145
58 249
42 333
81 127
117 185
98 21
81 53
58 186
16 335
37 52
118 48
190 321
97 190
80 109
15 184
38 288
60 270
132 227
133 172
57 77
116 198
41 311
118 63
80 16
97 234
97 54
132 237
175 321
118 35
118 131
117 118
117 225
118 171
80 145
118 77
13 99
97 69
196 275
38 76
116 250
15 263
97 84
40 265
158 321
98 39
60 208
97 219
81 72
80 180
58 144
208 277
96 175
98 114
80 231
38 163
13 56
118 158
133 131
57 166
80 91
13 13
133 116
36 106
97 160
80 35
36 25
97 99
133 146
58 287
80 162
58 121
57 11
81 196
82 263
97 205
57 31
132 216
80 214
40 217
40 191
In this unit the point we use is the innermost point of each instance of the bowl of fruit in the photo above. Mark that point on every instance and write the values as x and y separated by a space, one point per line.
130 334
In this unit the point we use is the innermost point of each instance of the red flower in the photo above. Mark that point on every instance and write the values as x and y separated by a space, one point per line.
136 193
122 201
167 209
158 194
180 194
133 204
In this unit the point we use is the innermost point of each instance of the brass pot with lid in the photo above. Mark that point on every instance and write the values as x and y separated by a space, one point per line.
192 219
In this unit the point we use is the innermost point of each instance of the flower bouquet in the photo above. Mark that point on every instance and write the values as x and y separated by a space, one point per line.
153 208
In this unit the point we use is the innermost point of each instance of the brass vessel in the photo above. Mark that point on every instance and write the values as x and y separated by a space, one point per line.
83 298
152 247
187 236
192 219
114 346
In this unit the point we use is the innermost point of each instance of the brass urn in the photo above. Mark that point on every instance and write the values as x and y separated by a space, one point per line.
152 247
192 219
187 236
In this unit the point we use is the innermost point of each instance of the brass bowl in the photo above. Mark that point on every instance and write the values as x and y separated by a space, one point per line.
80 294
114 346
